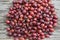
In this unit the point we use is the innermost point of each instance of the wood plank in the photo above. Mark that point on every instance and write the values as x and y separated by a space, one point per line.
3 13
6 39
5 4
6 1
2 19
4 7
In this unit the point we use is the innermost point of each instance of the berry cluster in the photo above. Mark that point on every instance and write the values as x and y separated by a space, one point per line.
32 19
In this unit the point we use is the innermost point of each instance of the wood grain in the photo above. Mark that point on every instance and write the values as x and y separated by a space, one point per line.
4 6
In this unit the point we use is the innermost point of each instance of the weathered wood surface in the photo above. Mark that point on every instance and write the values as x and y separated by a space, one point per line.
5 4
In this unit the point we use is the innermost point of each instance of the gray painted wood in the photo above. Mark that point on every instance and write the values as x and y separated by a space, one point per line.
5 4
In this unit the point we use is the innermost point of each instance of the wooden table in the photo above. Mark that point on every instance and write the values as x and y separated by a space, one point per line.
5 4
